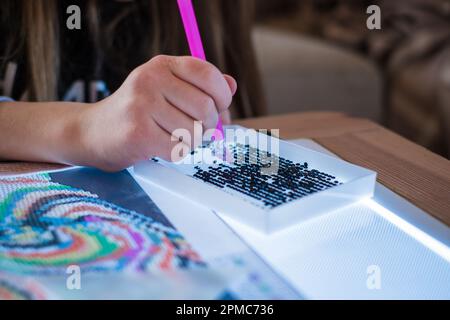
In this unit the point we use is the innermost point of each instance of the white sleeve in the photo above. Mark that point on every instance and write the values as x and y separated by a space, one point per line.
5 99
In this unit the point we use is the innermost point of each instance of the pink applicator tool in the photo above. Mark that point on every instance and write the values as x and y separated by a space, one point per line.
195 45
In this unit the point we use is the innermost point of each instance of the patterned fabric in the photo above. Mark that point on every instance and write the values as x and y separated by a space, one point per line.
46 226
19 288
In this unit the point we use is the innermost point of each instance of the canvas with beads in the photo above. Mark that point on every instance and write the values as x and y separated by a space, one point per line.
103 223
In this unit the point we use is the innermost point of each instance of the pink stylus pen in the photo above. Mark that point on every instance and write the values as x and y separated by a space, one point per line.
195 41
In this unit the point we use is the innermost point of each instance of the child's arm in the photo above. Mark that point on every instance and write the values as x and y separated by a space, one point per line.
48 132
133 124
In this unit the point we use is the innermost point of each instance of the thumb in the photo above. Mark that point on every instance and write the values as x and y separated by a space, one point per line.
231 83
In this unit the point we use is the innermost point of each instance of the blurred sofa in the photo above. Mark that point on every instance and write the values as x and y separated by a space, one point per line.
420 102
319 55
300 73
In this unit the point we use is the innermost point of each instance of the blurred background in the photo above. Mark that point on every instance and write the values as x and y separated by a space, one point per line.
319 55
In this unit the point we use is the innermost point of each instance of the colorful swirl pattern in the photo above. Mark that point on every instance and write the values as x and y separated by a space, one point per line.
19 288
46 226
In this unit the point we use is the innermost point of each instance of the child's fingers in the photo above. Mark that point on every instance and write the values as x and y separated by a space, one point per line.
231 83
175 122
191 101
204 76
168 147
226 117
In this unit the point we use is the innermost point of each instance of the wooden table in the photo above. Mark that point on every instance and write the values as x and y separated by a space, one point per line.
415 173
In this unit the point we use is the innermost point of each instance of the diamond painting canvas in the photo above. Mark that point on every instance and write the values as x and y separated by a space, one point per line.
102 223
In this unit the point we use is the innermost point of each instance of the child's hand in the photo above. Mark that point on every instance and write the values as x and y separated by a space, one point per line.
165 94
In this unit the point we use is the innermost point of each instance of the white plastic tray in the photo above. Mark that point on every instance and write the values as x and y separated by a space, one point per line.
328 257
356 184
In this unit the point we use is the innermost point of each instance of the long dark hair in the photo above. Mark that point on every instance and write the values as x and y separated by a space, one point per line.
152 27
